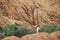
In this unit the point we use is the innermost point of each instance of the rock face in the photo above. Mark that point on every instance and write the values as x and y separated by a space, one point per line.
30 12
55 35
11 38
37 36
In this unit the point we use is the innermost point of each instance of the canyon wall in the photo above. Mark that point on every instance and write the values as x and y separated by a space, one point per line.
30 12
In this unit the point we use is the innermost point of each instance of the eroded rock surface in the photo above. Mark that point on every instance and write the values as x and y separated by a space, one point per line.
30 12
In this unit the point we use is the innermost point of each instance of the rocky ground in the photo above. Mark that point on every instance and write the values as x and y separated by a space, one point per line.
37 36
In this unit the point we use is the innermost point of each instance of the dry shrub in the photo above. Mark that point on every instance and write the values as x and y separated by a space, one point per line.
37 36
55 35
11 38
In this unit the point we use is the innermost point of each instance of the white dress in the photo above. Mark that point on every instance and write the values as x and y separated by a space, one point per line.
37 29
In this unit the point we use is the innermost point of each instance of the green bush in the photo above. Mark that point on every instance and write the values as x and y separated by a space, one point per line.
10 29
47 28
57 28
1 29
14 30
19 31
2 35
23 31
